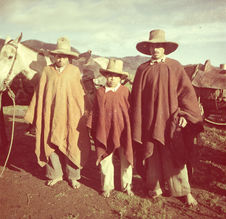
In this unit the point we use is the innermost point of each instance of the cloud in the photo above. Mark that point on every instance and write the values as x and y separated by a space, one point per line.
112 28
202 14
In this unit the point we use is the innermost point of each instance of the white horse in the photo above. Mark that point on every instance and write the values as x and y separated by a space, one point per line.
16 58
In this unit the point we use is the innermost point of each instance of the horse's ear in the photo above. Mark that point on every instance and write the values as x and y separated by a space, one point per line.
18 39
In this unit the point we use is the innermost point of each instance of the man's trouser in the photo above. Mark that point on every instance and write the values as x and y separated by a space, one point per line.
160 168
59 165
107 172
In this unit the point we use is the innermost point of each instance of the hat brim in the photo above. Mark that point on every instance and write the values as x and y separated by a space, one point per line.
104 72
144 47
64 52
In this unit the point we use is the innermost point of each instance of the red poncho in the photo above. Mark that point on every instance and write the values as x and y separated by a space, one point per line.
160 92
110 122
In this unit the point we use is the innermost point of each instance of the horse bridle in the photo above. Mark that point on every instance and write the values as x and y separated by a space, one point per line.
6 81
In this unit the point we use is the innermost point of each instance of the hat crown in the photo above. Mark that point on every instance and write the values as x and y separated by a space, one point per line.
157 36
64 47
63 44
115 65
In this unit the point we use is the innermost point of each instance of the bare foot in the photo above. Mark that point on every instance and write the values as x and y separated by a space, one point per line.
52 182
191 200
75 184
154 194
129 192
106 194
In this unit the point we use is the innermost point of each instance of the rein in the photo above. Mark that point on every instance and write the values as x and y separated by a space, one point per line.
12 96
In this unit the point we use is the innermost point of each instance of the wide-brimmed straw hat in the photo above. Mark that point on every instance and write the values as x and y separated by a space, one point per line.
156 37
64 48
114 66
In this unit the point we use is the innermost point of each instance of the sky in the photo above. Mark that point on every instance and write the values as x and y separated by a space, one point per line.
112 28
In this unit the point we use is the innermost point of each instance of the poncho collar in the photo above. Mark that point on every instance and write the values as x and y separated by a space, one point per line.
114 89
153 61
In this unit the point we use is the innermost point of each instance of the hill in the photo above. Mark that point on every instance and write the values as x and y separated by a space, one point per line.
36 44
130 62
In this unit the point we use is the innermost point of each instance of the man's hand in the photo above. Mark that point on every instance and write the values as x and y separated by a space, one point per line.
98 161
182 122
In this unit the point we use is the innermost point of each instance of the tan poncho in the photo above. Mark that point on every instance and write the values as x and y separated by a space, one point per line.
57 111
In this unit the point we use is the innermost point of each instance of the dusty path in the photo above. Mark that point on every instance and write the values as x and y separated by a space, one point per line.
23 193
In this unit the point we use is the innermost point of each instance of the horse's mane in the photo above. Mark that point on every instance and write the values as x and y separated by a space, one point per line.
29 47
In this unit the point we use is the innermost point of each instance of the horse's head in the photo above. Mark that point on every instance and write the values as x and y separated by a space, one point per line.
8 59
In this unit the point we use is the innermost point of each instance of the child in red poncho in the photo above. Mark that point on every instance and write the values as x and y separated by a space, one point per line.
110 128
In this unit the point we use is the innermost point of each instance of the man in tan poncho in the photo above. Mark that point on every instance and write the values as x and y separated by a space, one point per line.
57 112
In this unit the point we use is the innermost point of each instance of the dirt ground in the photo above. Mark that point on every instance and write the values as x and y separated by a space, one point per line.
23 193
